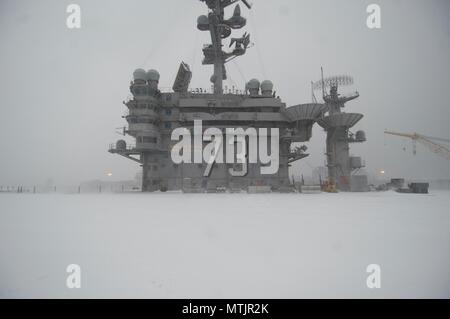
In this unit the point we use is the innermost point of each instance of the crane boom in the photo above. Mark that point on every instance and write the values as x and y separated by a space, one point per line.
437 139
427 141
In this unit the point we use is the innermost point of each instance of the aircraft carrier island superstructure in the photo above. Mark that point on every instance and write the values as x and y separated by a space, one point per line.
153 116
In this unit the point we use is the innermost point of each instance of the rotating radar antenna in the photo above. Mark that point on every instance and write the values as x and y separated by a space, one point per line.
332 82
337 80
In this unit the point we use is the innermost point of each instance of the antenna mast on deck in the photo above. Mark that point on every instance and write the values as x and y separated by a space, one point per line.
220 29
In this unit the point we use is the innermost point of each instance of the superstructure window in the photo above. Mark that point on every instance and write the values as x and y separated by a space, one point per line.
144 120
147 139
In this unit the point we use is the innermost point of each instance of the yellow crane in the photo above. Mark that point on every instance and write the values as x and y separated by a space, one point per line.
428 141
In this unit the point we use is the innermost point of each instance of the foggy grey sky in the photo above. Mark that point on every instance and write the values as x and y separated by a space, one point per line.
62 90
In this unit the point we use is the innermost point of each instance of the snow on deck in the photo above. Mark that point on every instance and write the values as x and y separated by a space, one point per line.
225 245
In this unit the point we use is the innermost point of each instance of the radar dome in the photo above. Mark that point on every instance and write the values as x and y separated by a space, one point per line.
266 86
121 145
361 136
203 23
253 87
153 75
140 74
253 84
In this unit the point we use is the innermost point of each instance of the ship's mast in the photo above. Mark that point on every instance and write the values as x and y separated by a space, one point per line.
219 63
220 28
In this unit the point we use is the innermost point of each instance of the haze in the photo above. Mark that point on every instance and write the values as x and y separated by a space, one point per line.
62 90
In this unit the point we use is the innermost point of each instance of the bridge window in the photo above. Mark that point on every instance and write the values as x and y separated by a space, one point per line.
147 139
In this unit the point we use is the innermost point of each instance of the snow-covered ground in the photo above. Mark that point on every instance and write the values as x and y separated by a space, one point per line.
225 246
